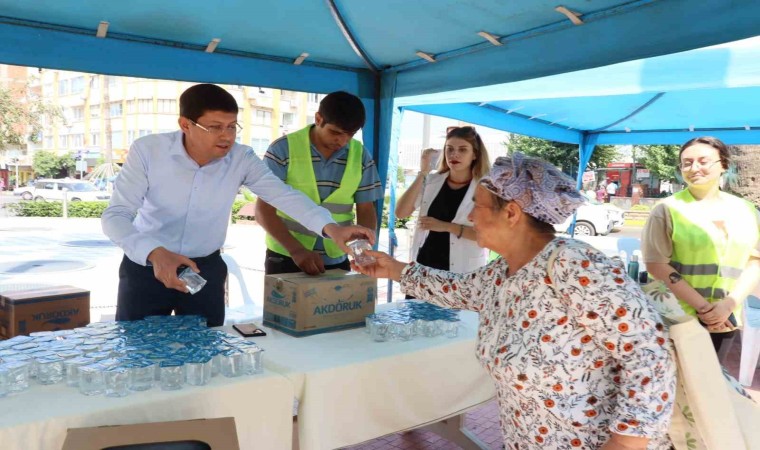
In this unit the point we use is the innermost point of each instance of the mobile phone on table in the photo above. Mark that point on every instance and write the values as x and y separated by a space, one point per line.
249 330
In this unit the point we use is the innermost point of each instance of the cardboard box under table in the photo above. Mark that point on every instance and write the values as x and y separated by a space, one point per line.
197 434
301 305
24 311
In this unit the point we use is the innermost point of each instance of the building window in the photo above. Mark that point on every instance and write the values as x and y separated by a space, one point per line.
94 111
116 137
64 87
288 119
77 140
115 109
64 138
262 117
142 133
313 98
77 112
130 106
114 82
77 85
130 137
167 106
259 145
48 141
95 138
145 105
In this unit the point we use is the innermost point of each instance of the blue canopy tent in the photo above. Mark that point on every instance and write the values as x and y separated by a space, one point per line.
377 50
663 100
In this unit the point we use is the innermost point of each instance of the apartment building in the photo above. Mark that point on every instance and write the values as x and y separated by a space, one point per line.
103 115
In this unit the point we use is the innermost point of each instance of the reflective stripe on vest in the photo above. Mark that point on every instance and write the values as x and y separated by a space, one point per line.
301 176
709 258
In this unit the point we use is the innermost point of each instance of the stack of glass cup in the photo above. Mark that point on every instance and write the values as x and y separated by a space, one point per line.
117 358
410 319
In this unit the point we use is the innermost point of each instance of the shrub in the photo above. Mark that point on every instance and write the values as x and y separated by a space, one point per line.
37 209
87 209
400 223
91 210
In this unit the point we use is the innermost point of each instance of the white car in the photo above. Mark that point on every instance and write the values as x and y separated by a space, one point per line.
52 189
592 219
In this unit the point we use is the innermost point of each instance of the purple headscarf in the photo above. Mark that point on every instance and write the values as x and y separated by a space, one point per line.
540 189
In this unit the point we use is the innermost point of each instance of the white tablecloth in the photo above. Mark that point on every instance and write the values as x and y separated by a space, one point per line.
351 389
261 405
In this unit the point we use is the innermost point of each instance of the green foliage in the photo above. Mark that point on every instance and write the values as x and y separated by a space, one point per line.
248 195
564 156
37 209
50 165
22 113
87 209
91 210
661 160
400 223
236 206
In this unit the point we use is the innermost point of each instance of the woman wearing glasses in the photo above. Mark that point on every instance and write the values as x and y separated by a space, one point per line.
444 237
703 243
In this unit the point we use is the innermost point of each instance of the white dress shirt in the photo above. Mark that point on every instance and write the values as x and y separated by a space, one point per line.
162 198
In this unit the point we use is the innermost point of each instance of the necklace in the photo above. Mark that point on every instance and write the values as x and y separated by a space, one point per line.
458 182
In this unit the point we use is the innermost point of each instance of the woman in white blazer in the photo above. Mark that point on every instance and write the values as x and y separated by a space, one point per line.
444 237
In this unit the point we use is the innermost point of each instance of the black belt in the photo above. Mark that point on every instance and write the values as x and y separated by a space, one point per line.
211 255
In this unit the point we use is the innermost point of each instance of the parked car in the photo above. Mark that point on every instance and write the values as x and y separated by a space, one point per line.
592 219
52 189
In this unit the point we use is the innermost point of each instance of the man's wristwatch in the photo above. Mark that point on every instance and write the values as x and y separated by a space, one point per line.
675 277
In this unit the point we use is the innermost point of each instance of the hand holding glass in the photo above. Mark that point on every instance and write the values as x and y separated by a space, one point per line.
192 280
358 247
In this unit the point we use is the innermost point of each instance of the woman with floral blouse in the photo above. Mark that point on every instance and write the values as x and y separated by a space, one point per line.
578 356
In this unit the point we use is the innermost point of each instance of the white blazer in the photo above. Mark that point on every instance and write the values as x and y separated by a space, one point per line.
464 255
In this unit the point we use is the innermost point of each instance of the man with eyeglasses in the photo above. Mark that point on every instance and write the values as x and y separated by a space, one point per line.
171 204
324 162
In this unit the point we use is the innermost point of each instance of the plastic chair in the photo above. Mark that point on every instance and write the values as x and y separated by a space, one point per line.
750 340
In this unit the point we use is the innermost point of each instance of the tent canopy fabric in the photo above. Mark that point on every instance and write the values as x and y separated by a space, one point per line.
367 47
537 39
664 99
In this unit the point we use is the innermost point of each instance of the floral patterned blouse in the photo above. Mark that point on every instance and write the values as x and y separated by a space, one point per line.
574 356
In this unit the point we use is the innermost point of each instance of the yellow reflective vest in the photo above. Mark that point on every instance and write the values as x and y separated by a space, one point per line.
301 176
709 258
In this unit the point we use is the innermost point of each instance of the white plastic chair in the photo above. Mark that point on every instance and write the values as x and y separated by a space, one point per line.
750 340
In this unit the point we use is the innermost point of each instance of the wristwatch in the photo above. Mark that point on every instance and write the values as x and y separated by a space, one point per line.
675 277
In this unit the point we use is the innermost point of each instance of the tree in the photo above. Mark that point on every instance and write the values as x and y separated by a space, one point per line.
661 160
49 165
22 114
564 156
743 176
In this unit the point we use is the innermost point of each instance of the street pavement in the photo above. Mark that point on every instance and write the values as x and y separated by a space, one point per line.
56 251
74 251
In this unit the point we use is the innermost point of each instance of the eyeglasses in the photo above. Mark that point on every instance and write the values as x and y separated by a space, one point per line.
218 130
698 165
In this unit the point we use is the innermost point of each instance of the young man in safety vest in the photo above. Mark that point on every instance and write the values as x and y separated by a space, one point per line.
334 170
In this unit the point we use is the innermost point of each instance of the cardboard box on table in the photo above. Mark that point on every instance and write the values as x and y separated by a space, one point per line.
301 305
26 310
215 433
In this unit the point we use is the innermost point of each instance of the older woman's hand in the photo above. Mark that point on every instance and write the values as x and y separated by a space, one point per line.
384 266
